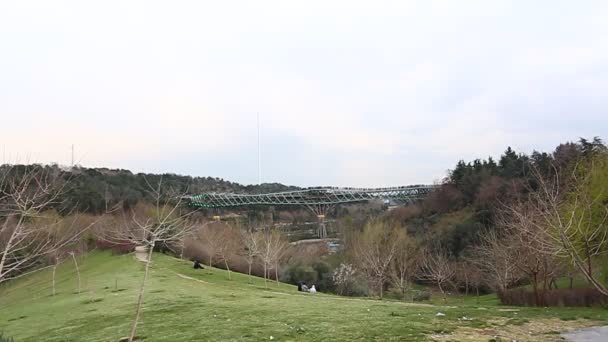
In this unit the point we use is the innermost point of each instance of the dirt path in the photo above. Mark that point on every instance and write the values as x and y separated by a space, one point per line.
141 253
190 278
546 330
595 334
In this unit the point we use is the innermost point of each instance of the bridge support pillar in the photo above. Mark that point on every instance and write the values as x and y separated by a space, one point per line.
321 211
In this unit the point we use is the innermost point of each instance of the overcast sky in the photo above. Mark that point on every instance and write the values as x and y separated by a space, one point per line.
351 93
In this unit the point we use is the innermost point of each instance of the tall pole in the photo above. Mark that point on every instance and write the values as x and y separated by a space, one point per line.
259 154
72 155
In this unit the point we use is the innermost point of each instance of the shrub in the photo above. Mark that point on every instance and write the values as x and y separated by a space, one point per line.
297 273
325 273
420 296
560 297
344 279
115 247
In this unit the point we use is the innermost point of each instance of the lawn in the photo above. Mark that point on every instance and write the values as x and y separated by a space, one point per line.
183 304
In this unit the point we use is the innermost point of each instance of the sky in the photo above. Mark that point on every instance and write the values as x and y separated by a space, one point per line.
349 93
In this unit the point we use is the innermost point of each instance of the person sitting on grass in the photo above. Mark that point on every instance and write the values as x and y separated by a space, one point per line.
198 266
304 287
313 290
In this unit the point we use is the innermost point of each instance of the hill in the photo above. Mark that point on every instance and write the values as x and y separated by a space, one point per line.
93 190
183 304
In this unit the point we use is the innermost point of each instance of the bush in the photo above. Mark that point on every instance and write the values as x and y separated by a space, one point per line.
319 274
115 247
560 297
298 273
325 274
420 296
359 289
344 279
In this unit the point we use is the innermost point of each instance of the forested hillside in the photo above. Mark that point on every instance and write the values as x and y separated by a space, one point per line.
93 190
474 192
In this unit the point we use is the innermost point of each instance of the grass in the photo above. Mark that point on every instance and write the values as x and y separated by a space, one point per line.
183 304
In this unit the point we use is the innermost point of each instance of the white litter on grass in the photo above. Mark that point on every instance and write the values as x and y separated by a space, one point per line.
272 338
439 314
465 318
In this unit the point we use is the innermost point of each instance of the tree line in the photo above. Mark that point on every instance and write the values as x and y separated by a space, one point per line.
525 219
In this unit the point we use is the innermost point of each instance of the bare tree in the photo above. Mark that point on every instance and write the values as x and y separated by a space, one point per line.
571 222
404 264
279 247
272 246
228 243
475 276
211 234
494 256
536 262
265 252
251 244
374 250
435 266
165 223
27 195
64 227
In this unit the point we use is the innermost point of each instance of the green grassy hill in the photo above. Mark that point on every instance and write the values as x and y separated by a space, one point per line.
187 305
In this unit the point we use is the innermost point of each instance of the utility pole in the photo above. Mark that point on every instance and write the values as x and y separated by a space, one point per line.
72 156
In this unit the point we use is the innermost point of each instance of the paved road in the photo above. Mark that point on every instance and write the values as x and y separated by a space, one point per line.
597 334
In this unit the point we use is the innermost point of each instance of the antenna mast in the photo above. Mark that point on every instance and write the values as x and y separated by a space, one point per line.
259 154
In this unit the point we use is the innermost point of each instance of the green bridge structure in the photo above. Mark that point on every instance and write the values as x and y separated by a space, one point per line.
318 200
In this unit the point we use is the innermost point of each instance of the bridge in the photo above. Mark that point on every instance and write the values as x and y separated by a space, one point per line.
318 200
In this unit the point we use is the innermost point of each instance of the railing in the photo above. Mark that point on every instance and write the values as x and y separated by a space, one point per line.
312 196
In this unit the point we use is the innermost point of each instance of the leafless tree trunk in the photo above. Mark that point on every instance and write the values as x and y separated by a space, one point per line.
54 271
140 297
265 274
276 273
404 263
228 242
211 234
166 224
251 250
77 269
273 246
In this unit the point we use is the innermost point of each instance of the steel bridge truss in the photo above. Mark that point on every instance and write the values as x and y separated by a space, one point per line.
313 197
318 200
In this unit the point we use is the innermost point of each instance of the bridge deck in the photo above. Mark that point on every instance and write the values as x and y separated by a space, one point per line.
312 196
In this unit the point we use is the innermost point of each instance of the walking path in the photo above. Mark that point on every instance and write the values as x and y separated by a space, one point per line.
141 253
595 334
